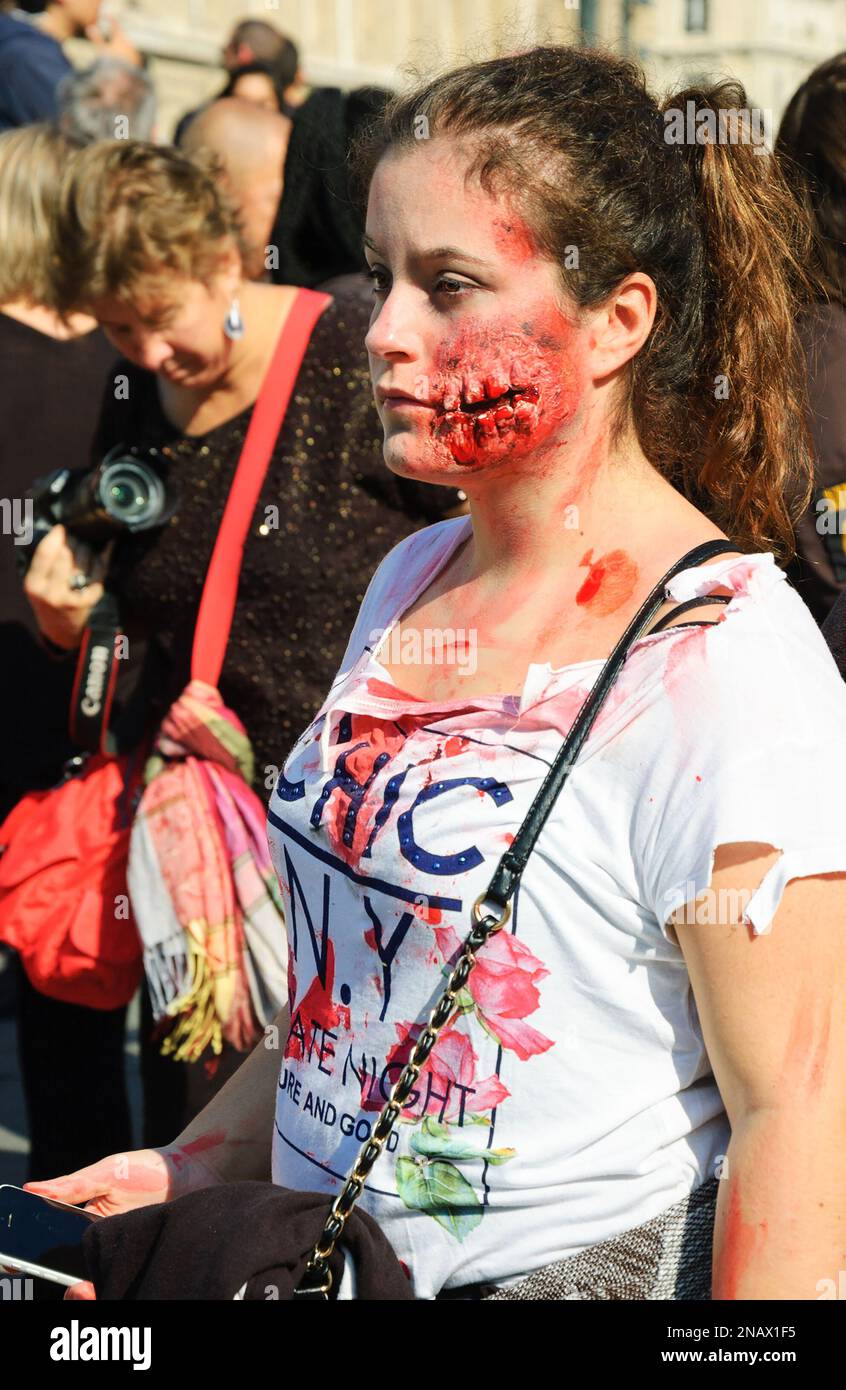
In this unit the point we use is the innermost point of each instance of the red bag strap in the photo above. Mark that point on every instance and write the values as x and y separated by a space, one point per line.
220 591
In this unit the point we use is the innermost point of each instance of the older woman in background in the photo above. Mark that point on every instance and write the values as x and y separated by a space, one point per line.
148 245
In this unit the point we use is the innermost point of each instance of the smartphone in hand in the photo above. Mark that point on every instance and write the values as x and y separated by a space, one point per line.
42 1237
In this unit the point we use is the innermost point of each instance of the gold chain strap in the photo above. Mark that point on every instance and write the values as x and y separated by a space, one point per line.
317 1280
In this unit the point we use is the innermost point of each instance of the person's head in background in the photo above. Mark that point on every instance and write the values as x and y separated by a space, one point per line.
111 100
812 146
256 41
147 241
32 159
63 19
258 84
250 144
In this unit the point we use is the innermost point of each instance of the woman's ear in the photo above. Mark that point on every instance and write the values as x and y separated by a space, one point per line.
620 328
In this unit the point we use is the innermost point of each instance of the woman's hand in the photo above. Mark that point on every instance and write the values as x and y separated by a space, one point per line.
61 611
124 1181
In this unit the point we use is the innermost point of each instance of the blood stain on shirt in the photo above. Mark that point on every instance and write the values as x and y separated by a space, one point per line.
430 915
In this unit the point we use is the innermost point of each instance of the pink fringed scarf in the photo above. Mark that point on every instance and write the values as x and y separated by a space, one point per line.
203 890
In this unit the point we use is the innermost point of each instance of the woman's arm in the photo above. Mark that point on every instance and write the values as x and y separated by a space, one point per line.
773 1014
233 1135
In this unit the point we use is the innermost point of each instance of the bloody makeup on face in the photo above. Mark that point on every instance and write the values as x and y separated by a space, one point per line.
498 375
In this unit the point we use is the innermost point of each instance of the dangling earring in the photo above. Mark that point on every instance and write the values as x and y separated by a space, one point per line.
233 324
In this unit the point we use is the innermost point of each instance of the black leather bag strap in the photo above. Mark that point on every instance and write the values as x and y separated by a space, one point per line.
683 607
513 862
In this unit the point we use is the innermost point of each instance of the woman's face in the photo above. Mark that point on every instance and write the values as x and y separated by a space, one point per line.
178 331
470 320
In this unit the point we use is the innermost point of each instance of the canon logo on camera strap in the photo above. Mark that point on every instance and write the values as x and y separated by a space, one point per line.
98 670
93 687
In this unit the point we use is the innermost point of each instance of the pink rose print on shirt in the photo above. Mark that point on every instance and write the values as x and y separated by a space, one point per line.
316 1012
447 1088
503 986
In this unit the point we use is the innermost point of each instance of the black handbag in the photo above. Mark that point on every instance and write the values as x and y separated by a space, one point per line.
310 1268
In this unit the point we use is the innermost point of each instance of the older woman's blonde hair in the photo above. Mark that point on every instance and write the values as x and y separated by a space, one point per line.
31 163
131 216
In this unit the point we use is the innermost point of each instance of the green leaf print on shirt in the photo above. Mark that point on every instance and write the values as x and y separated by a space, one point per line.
441 1191
433 1184
436 1141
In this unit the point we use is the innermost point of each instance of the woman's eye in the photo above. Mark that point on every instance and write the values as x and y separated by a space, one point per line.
375 275
446 285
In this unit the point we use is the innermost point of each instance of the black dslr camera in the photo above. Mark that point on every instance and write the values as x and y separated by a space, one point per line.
127 491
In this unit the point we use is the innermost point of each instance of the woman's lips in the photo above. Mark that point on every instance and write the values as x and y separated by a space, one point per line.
472 405
403 403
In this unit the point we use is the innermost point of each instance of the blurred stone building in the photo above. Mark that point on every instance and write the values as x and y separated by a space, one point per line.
769 44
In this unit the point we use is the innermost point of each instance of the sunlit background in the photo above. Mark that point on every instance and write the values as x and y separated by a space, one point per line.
771 45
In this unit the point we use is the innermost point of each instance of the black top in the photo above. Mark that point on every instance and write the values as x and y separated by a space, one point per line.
834 632
819 569
328 512
318 227
51 394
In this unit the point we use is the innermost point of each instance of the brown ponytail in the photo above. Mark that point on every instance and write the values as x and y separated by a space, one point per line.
717 394
753 463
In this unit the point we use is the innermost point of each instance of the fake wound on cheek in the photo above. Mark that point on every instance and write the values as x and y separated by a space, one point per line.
497 387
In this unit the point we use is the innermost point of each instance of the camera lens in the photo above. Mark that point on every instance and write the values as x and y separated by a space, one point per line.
131 493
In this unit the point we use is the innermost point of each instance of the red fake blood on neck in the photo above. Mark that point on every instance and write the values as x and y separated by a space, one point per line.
610 581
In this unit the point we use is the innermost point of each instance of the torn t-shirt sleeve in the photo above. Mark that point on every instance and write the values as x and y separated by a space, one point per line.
750 747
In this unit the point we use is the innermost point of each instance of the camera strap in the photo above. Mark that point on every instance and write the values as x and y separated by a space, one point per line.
94 683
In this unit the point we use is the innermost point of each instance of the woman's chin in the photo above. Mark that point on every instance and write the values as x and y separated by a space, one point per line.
424 464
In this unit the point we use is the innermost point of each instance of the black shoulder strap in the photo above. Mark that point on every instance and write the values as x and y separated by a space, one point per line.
511 865
670 617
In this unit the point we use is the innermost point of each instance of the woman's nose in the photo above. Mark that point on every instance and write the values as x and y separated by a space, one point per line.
393 331
150 351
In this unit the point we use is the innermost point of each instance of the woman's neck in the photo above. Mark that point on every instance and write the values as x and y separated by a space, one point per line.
47 321
196 410
590 494
262 308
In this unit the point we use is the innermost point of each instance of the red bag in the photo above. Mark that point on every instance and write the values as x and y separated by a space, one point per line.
63 898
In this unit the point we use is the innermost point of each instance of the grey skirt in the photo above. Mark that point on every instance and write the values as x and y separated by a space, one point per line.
668 1257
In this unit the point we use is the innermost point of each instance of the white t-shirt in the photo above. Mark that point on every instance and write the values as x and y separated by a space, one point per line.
572 1098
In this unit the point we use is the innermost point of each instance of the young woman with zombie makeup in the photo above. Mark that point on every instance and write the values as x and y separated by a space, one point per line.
560 296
